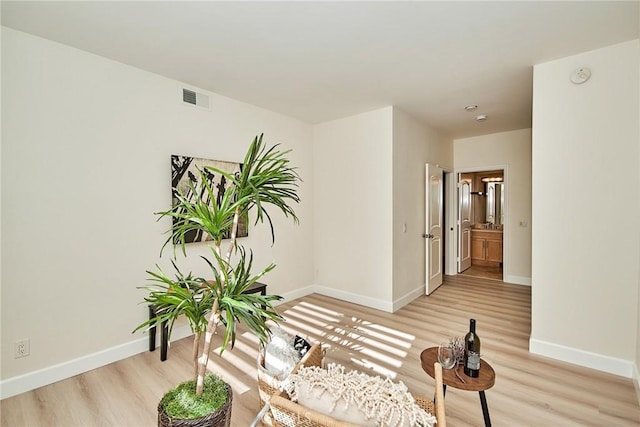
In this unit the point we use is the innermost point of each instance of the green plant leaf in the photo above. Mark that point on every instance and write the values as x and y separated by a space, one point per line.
266 181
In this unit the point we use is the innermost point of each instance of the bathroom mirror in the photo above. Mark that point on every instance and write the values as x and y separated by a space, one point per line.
495 202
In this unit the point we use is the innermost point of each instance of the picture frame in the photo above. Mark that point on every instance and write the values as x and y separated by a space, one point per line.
186 174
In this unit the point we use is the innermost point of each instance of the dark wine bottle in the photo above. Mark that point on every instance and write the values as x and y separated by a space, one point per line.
472 351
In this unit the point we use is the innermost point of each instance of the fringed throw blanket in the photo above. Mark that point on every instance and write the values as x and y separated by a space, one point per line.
356 397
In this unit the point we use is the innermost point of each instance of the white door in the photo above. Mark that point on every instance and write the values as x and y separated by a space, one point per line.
464 224
434 226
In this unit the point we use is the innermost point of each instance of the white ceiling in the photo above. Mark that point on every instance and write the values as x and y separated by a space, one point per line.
320 61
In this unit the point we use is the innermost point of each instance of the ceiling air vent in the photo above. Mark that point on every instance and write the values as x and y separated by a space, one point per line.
194 98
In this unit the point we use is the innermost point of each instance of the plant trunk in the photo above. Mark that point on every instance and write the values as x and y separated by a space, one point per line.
196 349
204 357
234 233
214 319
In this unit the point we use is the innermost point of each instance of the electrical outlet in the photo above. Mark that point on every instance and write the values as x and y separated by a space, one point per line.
21 348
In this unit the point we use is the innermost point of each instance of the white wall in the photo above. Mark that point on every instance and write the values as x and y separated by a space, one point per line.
513 150
1 199
637 359
86 145
586 209
368 183
414 145
353 208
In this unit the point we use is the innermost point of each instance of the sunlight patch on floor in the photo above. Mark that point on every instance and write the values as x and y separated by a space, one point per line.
316 313
392 361
319 308
390 331
382 337
368 365
250 351
383 348
229 376
249 336
289 314
302 327
378 345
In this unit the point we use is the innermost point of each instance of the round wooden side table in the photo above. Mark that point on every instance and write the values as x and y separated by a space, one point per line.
484 381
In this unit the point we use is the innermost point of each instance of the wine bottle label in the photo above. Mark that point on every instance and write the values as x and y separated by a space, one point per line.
473 360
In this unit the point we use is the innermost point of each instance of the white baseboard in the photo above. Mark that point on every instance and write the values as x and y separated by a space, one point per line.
49 375
517 280
298 293
410 296
355 298
579 357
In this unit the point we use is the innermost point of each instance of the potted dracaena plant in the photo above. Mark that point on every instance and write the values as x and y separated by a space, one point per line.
266 180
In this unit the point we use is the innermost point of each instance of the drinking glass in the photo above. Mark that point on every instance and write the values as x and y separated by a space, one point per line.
446 357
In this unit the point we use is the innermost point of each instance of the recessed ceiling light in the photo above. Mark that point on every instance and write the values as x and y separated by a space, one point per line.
481 117
470 107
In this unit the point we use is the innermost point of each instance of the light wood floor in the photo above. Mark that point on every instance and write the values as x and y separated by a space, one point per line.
529 390
487 272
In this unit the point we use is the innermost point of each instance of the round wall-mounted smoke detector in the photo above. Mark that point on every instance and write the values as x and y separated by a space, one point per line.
580 75
481 117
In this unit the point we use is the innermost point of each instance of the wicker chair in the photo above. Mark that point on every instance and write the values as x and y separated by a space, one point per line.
268 385
285 413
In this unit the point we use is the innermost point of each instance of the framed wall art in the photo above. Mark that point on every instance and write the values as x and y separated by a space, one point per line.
186 170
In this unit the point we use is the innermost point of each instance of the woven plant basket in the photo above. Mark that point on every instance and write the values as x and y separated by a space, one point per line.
269 385
221 417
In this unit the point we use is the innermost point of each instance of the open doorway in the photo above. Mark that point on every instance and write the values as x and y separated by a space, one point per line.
481 219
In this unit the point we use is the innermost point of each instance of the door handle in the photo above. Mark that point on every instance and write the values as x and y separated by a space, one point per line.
428 236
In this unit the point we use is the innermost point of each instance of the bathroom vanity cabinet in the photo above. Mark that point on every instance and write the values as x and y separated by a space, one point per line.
486 247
